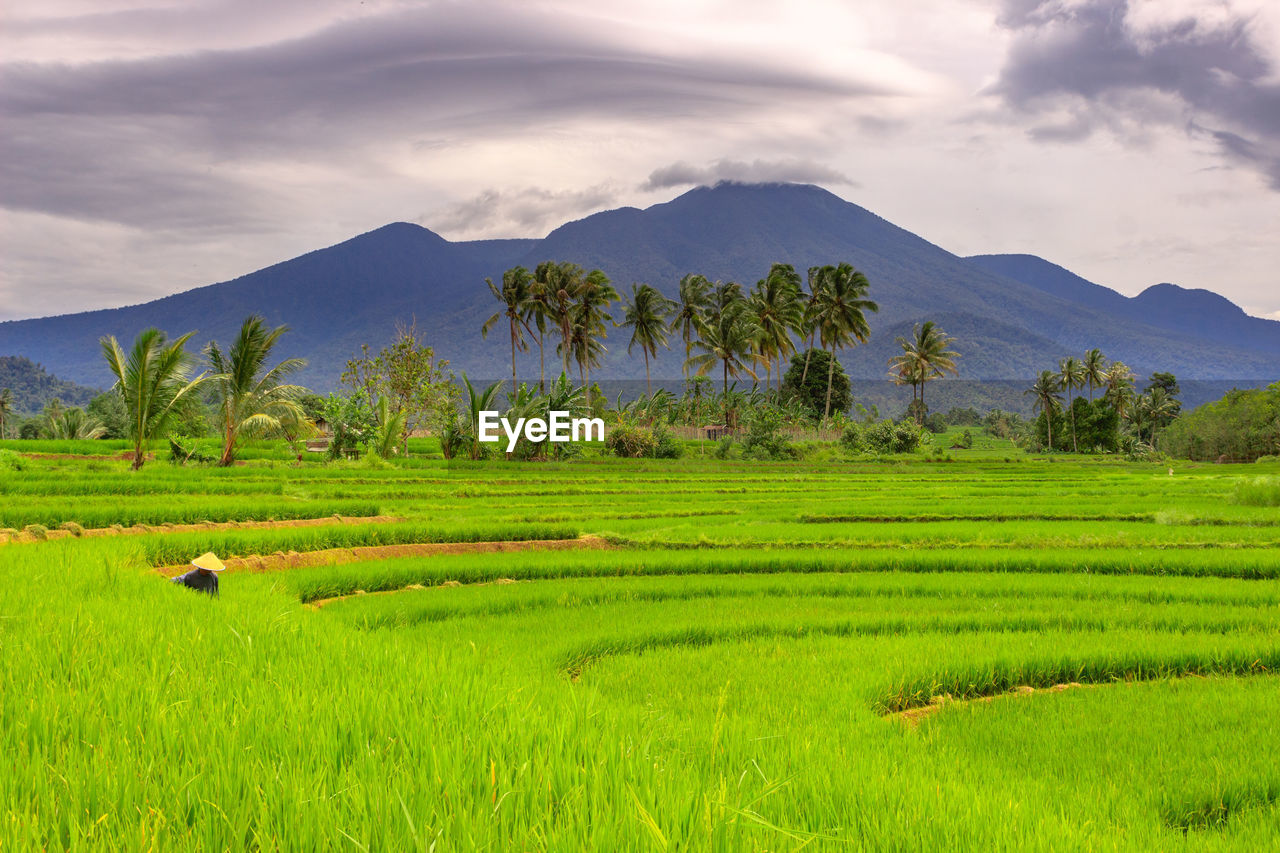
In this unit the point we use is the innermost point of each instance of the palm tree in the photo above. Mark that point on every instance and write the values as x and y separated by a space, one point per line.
1119 387
727 337
537 311
153 381
646 315
1071 375
841 317
75 424
776 308
1045 390
6 408
1157 406
807 325
590 314
514 295
1095 370
562 282
924 358
251 400
694 299
391 428
477 402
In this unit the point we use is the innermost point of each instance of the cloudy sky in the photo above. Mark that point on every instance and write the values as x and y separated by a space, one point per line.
150 146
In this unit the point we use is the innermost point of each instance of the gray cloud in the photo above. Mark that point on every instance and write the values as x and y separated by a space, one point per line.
680 174
1091 59
144 141
521 212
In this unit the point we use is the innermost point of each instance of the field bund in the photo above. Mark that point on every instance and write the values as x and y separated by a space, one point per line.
631 655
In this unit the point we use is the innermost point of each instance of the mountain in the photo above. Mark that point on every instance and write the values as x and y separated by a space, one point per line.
1196 312
33 386
356 292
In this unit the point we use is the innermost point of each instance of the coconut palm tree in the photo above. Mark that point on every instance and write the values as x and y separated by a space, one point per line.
1045 390
1095 370
1071 375
514 296
561 282
153 380
776 308
391 428
841 316
537 313
727 337
6 408
251 399
807 326
924 358
1119 387
590 314
694 299
646 315
1156 406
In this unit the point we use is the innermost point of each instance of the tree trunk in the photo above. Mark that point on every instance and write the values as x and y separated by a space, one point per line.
1048 424
725 365
923 407
1075 445
804 374
831 369
542 367
228 442
648 389
514 386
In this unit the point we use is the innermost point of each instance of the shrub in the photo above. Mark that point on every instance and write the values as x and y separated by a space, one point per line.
10 461
765 440
630 442
723 448
890 437
665 445
853 440
38 531
965 441
72 528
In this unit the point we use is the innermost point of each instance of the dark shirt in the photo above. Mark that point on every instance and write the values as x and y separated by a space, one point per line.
199 580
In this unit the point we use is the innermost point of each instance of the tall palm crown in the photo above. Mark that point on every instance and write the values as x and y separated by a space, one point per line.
808 325
75 424
153 380
646 314
1045 390
561 282
588 317
1156 406
841 314
929 354
514 296
1119 387
252 399
1071 375
777 307
538 313
727 337
1095 370
694 300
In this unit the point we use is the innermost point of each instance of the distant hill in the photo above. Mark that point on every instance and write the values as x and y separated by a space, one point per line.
33 386
1010 319
1200 313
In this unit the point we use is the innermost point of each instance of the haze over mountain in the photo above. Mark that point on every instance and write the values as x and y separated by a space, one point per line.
1012 315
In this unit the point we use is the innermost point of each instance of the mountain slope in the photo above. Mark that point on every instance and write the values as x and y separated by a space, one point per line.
32 386
358 291
1200 313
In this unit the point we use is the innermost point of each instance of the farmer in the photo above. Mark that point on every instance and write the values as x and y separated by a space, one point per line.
204 576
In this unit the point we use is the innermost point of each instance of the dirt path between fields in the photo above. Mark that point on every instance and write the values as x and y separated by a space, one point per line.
281 561
140 529
912 716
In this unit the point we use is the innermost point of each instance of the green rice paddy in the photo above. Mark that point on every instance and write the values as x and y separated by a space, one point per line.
741 660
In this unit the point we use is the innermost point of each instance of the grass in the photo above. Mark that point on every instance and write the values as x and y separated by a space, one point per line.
722 679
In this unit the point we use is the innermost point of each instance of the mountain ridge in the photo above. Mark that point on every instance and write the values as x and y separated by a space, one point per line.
356 291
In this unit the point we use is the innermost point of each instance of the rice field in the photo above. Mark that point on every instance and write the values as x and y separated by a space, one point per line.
696 654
